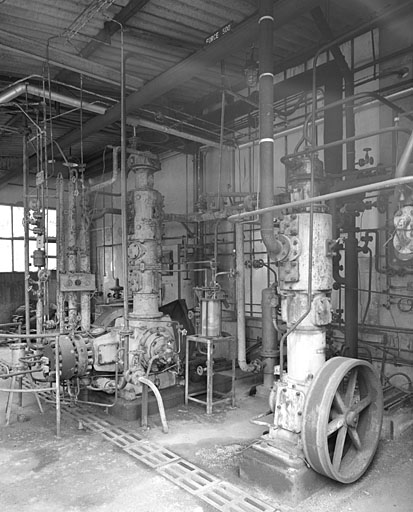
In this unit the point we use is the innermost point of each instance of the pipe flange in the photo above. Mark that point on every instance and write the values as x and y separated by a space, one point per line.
284 241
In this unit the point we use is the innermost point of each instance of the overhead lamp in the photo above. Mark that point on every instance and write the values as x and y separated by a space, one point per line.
251 69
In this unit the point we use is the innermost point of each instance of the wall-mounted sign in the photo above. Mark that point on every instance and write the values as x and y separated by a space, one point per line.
219 33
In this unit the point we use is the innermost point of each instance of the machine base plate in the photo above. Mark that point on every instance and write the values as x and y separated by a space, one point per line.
287 478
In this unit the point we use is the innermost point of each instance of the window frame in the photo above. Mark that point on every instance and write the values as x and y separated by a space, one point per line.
32 238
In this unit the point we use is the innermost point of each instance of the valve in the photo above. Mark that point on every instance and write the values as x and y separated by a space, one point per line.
367 160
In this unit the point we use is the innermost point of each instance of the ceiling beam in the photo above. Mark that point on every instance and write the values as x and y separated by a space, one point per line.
111 27
240 37
38 51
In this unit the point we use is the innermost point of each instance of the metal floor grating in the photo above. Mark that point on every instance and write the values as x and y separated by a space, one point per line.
221 495
151 454
229 498
188 476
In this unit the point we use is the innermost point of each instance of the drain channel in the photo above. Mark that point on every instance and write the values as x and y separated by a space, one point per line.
218 493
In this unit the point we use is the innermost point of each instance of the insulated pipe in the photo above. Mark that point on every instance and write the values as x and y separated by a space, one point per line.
18 90
240 299
159 400
266 84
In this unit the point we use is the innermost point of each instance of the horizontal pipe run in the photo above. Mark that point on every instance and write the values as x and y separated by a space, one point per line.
341 142
16 390
326 197
363 106
136 121
28 336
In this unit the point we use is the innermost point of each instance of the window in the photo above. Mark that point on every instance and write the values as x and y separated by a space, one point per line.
12 239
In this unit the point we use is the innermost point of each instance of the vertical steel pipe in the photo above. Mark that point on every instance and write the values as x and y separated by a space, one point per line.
240 299
60 250
57 366
266 120
26 236
124 209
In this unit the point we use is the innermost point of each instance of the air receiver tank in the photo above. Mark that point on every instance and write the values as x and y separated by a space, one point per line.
145 215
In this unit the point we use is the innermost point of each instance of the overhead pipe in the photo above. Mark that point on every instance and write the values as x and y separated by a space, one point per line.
24 88
137 121
266 116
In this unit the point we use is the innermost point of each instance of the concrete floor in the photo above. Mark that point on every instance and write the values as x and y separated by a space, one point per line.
84 472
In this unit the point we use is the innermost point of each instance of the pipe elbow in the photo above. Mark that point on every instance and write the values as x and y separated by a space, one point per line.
252 367
271 241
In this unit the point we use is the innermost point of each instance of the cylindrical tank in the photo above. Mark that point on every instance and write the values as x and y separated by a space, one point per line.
211 315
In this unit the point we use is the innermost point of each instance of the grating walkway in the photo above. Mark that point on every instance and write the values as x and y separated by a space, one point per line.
221 495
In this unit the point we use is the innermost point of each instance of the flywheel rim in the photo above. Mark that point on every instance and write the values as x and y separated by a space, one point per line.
342 419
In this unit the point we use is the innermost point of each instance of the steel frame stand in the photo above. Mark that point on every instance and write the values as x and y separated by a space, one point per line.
210 342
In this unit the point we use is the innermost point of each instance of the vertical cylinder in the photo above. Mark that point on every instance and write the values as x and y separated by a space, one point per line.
145 235
211 314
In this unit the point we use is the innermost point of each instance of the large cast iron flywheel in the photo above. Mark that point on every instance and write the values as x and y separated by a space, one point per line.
342 419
